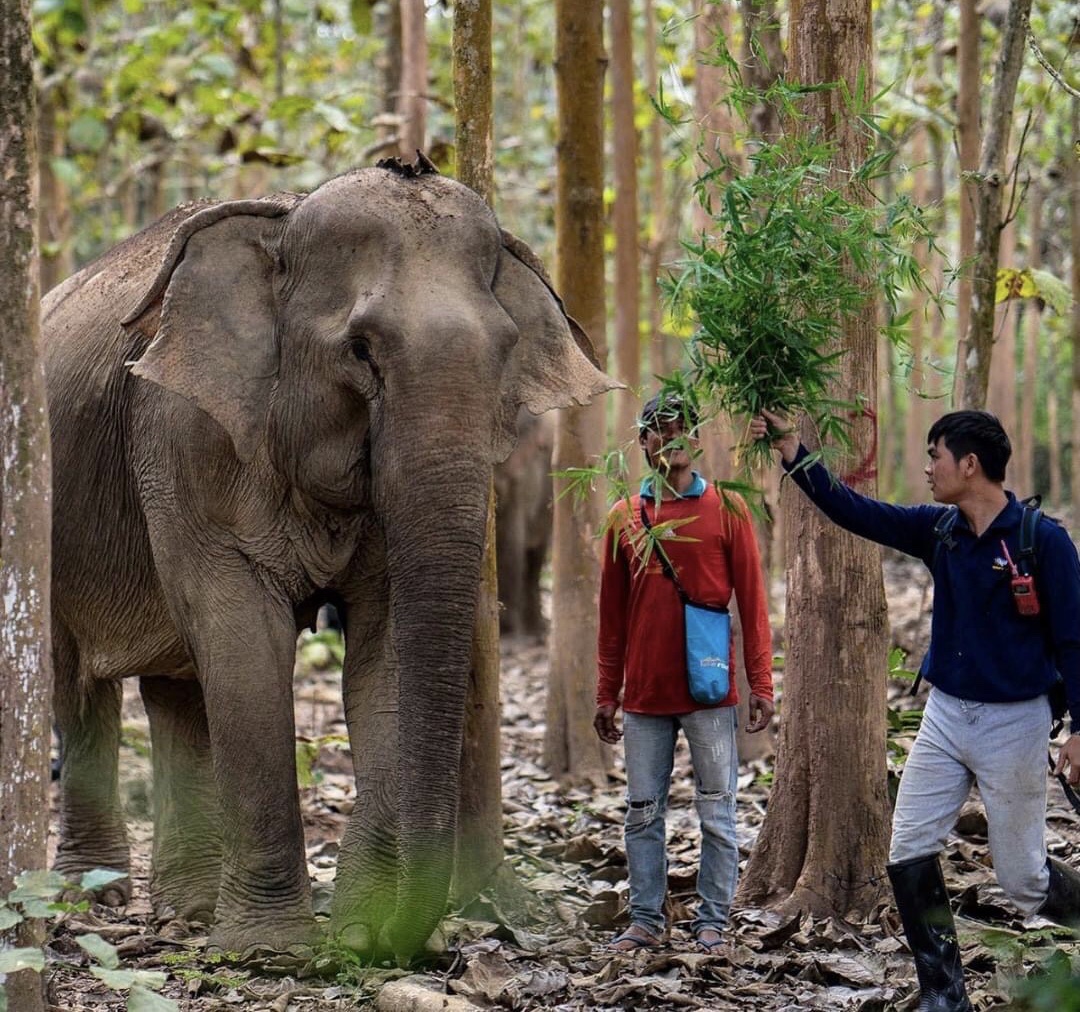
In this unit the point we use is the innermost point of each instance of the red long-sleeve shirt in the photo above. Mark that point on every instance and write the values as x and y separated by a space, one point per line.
641 651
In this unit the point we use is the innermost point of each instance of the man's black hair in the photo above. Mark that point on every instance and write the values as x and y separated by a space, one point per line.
977 432
666 407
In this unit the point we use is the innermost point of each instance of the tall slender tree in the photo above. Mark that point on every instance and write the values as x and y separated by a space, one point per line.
991 186
1025 442
968 106
480 842
571 747
831 748
25 512
1074 242
412 92
626 290
660 229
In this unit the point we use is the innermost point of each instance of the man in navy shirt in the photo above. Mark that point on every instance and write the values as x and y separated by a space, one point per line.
987 717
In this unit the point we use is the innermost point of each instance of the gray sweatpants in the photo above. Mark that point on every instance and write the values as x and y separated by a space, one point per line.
1002 748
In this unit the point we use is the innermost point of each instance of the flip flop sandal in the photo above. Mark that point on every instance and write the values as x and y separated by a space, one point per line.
632 939
711 942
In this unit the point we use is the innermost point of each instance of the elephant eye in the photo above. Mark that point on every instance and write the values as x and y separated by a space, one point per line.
361 350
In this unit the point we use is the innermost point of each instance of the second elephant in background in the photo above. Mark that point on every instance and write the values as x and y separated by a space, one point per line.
523 498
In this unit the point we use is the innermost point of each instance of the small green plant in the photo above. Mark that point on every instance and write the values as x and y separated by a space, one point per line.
190 966
1054 987
37 895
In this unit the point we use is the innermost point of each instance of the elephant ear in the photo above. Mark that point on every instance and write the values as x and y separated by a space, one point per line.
553 365
211 313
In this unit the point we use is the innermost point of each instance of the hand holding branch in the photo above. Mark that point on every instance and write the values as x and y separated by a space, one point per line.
779 430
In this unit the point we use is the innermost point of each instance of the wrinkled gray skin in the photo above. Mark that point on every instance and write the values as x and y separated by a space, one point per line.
523 499
306 394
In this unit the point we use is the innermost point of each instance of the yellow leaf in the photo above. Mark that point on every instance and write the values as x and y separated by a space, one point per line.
1014 284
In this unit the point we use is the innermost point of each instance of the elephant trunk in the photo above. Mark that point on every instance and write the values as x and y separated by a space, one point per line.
434 541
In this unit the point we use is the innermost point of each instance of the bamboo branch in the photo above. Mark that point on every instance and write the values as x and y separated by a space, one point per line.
1046 65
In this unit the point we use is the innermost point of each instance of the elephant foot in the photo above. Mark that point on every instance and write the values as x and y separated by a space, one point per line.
383 947
195 903
285 945
194 912
111 894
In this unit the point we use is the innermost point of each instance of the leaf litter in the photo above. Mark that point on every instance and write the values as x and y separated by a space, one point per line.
564 844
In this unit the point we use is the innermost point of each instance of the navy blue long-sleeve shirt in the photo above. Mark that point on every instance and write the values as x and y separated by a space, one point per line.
981 647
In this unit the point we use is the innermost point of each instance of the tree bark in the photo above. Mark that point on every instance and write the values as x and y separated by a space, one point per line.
716 140
1001 383
1074 242
1024 470
660 230
412 93
968 107
831 749
54 208
627 287
990 185
25 510
917 415
480 849
571 747
762 62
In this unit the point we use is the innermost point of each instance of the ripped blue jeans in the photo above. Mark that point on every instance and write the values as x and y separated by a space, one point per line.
649 744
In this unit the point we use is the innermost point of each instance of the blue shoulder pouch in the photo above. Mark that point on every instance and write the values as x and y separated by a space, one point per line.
708 647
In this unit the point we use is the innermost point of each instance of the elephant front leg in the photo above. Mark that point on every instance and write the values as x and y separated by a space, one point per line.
187 817
92 833
245 657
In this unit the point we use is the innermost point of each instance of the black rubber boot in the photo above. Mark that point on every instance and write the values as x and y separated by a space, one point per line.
928 924
1062 903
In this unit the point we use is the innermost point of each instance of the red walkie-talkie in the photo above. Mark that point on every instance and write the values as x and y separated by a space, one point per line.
1023 587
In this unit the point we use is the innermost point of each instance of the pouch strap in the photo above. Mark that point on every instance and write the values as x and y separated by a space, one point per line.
665 562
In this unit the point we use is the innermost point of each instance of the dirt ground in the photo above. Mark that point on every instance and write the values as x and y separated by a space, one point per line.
565 847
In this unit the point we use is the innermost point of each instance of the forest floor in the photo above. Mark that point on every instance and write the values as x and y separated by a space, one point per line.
565 846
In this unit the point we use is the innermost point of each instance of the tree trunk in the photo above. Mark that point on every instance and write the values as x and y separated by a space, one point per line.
54 208
1001 384
967 130
25 512
480 849
659 219
388 26
716 140
831 749
1024 471
627 287
762 62
1074 242
918 406
1053 428
412 93
990 185
571 747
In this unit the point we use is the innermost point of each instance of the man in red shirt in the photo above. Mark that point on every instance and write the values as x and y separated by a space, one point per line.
711 545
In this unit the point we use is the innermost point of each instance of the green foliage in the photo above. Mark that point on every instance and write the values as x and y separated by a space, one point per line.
1054 988
35 896
796 246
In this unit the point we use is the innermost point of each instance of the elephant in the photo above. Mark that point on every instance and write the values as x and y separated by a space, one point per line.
257 406
523 501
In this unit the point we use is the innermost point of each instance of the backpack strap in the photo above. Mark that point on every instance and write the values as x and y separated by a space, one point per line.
1029 525
943 533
